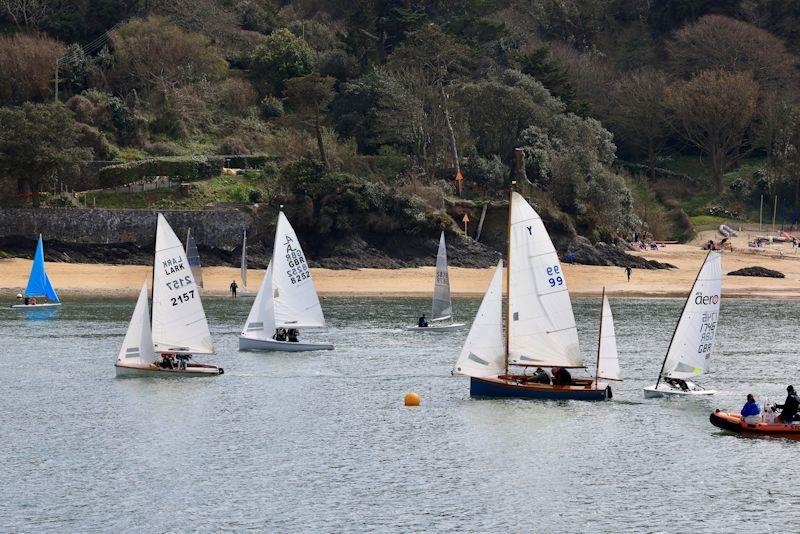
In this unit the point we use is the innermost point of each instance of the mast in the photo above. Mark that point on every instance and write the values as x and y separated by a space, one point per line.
508 273
686 303
153 274
599 337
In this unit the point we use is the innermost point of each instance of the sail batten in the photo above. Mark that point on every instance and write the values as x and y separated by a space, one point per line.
179 322
541 329
39 284
442 307
483 353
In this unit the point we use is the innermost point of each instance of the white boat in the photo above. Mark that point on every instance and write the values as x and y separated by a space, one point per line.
193 256
541 329
442 308
692 343
607 354
287 299
39 285
178 327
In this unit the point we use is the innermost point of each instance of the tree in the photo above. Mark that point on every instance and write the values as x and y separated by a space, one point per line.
715 41
544 68
712 111
28 13
39 145
27 67
280 57
310 96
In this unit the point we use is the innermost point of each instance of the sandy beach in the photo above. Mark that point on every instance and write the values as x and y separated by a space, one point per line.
72 279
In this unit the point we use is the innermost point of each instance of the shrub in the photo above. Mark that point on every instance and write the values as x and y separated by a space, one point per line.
237 96
255 196
27 65
280 57
232 145
271 107
112 113
184 168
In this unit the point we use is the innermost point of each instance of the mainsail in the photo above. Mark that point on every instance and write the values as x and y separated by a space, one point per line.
690 350
442 304
484 352
260 322
244 258
38 282
179 321
541 328
137 348
295 297
194 258
607 356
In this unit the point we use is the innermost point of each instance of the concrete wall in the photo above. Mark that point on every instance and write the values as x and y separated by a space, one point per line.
217 229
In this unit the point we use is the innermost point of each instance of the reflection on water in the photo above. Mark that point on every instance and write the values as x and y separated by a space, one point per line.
322 442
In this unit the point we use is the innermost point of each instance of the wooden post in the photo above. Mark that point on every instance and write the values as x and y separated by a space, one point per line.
480 223
56 80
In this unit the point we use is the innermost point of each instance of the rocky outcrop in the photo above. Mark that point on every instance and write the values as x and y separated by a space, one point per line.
757 271
585 253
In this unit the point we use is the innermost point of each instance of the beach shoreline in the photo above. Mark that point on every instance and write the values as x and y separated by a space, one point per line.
73 280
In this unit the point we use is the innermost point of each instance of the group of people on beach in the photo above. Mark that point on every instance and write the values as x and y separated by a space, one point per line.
751 411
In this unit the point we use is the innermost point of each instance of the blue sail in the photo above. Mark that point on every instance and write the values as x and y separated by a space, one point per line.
39 284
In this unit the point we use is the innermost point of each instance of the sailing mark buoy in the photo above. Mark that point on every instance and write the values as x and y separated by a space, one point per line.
411 399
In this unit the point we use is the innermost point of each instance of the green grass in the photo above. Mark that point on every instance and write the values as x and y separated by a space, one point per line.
707 220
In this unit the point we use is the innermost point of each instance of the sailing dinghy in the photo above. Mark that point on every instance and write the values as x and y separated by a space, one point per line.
194 258
286 301
541 329
179 328
442 309
607 355
39 285
692 342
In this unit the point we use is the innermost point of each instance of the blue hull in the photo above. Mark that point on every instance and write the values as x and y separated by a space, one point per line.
490 388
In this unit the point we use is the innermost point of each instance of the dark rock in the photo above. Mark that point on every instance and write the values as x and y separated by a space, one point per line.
610 255
757 271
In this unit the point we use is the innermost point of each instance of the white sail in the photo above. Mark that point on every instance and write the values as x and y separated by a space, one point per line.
484 352
194 258
137 348
542 329
260 322
690 350
296 301
608 358
244 258
179 321
442 304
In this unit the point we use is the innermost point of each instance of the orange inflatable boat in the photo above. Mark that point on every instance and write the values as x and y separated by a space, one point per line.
732 422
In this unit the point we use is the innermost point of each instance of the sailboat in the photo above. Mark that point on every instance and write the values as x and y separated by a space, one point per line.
286 300
178 327
540 330
607 355
194 258
442 309
39 285
689 352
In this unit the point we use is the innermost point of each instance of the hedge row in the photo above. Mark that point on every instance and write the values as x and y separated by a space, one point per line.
186 168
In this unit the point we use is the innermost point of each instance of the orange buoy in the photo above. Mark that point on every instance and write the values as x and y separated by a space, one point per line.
412 399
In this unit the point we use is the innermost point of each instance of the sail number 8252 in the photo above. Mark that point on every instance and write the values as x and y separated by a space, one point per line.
554 276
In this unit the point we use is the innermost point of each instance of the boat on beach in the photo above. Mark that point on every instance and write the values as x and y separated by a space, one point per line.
734 422
39 285
442 308
286 301
689 352
540 331
179 328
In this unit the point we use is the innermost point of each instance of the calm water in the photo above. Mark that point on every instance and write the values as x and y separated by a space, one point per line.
321 441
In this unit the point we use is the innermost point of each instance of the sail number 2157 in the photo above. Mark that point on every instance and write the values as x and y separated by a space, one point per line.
554 276
183 298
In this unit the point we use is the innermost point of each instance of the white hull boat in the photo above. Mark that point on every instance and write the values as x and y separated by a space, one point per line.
665 390
192 370
437 328
249 343
35 306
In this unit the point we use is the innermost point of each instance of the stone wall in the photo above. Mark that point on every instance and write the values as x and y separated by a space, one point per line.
214 229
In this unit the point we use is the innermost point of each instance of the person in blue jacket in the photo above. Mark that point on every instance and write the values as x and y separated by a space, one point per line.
751 412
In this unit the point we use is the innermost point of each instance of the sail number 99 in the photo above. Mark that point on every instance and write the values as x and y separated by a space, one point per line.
183 298
554 276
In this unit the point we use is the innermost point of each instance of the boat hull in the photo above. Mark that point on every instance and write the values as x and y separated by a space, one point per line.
497 387
436 328
665 390
732 422
248 343
192 370
35 306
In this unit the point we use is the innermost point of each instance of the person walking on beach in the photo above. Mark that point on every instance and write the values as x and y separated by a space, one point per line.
628 271
234 287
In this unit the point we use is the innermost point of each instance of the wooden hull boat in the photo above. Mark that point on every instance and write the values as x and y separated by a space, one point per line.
35 306
666 390
192 370
732 422
518 386
436 328
249 343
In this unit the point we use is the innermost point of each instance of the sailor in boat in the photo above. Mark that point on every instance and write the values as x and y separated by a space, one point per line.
19 298
751 411
280 334
561 377
293 335
789 407
167 361
183 360
540 376
678 383
422 322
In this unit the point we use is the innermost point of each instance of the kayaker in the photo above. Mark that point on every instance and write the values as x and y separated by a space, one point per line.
789 407
751 412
